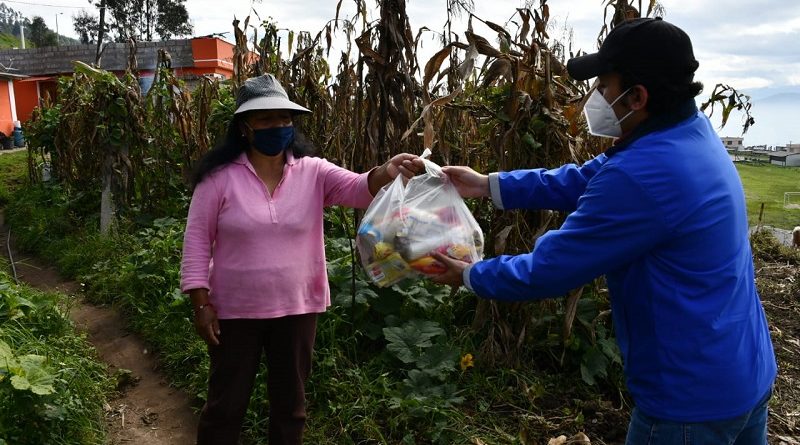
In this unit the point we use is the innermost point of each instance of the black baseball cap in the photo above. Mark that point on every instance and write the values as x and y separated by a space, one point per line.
650 49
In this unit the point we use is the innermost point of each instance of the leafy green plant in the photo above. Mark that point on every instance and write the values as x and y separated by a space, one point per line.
599 353
13 304
40 131
13 174
25 373
426 391
52 388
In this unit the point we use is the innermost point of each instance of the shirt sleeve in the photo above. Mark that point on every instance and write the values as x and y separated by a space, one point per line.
343 187
555 189
198 240
616 222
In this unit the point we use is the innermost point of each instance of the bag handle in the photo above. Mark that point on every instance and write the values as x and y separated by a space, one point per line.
431 167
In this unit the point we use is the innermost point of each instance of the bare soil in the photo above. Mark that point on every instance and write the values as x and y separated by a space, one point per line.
778 280
147 410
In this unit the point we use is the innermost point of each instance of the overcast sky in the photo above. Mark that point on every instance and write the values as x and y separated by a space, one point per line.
752 45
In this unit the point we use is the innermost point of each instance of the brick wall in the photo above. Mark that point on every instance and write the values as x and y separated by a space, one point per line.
58 59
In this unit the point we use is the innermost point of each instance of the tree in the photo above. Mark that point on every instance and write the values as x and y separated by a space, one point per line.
86 26
173 19
10 20
142 19
40 34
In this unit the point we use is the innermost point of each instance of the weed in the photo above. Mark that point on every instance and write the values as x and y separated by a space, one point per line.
52 387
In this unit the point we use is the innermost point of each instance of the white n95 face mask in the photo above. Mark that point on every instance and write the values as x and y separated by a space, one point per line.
600 116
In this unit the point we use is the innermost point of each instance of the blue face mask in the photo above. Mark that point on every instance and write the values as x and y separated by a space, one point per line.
272 141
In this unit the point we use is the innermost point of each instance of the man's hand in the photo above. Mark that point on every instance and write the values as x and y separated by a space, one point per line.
454 275
468 182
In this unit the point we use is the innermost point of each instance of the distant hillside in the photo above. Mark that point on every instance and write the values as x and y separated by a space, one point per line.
9 29
780 99
8 41
9 20
68 40
11 41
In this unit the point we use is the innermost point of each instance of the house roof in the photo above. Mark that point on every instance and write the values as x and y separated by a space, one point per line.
58 59
783 154
37 79
12 76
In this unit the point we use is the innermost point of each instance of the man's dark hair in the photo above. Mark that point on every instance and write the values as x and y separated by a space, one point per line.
663 95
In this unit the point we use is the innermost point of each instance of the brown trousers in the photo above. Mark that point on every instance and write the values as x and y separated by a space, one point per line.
288 343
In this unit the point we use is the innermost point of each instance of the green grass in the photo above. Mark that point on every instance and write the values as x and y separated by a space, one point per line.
765 183
9 41
13 173
68 384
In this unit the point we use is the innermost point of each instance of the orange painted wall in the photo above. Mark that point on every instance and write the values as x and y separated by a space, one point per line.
213 55
27 99
201 71
6 118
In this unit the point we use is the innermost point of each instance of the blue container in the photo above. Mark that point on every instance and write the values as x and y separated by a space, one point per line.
19 141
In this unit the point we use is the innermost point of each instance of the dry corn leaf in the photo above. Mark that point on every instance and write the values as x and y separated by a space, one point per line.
438 102
435 62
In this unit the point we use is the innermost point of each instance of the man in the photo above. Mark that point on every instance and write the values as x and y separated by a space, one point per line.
661 214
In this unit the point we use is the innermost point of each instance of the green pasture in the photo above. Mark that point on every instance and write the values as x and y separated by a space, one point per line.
766 183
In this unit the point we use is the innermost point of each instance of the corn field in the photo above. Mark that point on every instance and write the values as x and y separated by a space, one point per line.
495 97
497 101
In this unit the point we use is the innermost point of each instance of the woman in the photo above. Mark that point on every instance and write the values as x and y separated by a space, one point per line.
254 258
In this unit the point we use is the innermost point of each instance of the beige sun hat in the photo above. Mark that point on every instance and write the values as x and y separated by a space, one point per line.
265 93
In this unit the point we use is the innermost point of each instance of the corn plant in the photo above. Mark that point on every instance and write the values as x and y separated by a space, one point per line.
495 97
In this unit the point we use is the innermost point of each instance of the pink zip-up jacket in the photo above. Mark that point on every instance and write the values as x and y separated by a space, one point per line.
262 255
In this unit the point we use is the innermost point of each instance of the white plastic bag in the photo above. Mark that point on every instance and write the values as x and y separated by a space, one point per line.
405 224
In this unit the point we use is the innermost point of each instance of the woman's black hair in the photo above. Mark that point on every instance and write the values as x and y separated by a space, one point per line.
235 143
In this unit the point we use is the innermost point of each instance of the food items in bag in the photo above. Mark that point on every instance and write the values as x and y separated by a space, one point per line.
428 265
388 270
406 224
402 244
423 232
459 252
383 250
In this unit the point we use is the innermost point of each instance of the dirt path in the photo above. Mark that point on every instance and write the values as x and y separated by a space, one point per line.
148 411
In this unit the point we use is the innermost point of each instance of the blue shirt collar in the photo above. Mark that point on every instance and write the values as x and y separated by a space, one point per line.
653 124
